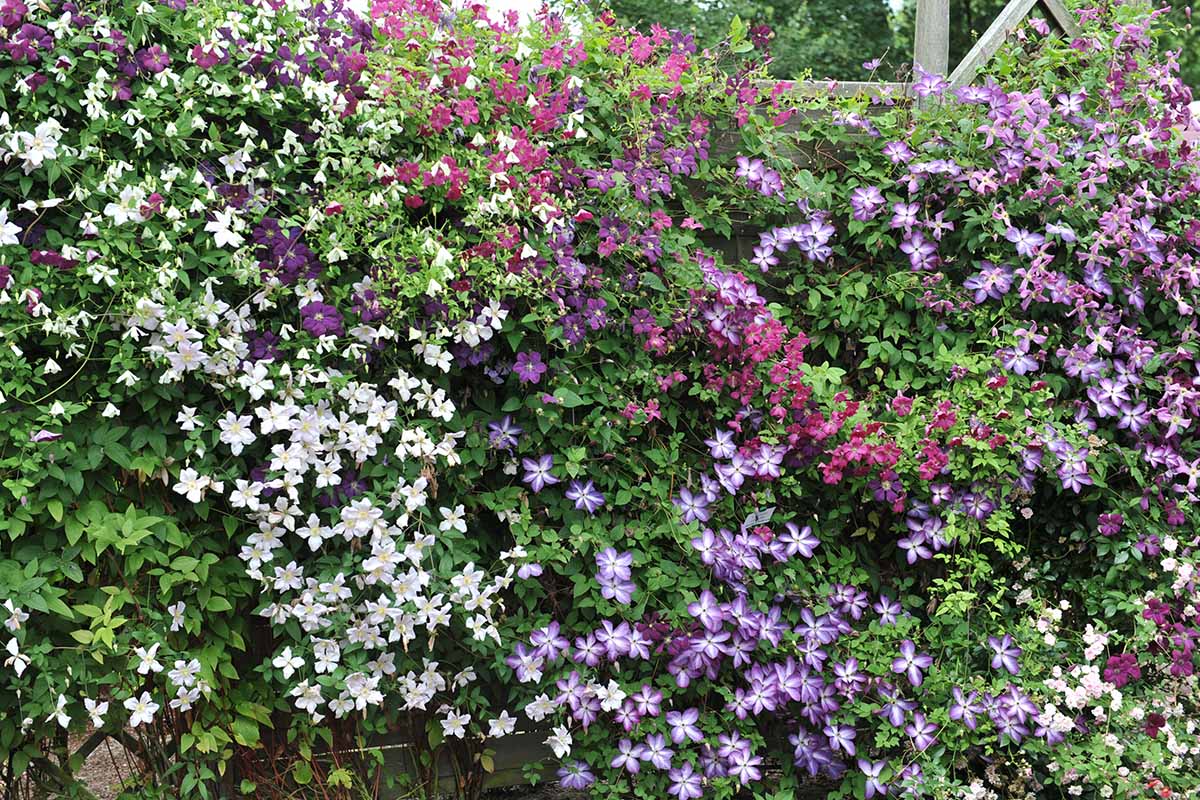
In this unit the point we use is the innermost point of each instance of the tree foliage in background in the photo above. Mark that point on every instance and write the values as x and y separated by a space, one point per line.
830 38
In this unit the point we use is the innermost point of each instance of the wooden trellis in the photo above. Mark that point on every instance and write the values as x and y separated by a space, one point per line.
931 48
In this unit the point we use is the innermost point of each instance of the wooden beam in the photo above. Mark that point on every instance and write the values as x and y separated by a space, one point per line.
897 91
1004 24
931 49
1058 13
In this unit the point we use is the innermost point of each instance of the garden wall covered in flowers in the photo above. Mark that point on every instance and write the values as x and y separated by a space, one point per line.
382 378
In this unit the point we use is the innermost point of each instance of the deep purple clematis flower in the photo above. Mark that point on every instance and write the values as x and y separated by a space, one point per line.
1006 654
585 495
529 367
153 59
321 319
537 472
1122 669
910 663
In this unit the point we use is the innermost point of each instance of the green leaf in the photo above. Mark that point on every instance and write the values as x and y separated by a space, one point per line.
568 398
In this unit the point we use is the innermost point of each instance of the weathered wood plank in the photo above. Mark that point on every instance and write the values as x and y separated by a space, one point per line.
845 88
1057 11
931 50
1005 23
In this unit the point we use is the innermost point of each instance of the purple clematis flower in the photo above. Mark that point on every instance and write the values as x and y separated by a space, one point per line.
585 495
685 782
841 737
910 663
1026 242
537 472
321 319
529 367
888 610
693 507
628 756
656 751
504 434
683 725
798 540
873 769
1006 654
922 731
618 565
866 201
721 445
576 776
708 611
965 708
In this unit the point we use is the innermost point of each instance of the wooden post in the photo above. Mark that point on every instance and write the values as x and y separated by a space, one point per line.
931 50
